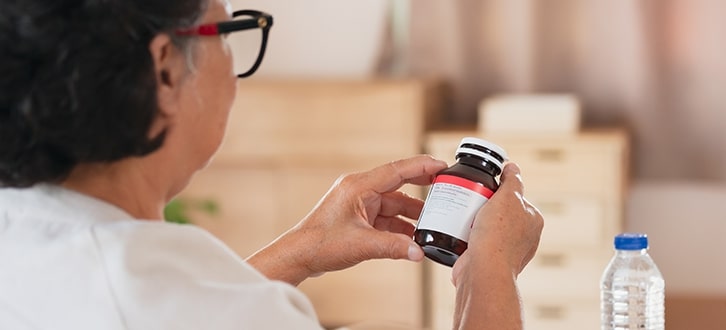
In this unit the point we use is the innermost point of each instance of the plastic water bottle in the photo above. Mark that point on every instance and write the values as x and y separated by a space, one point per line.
632 289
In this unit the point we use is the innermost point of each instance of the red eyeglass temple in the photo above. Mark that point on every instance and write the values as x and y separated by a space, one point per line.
202 30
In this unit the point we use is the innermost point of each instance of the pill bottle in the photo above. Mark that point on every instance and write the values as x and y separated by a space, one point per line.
455 197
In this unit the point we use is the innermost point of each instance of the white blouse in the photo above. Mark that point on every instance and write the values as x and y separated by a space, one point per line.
70 261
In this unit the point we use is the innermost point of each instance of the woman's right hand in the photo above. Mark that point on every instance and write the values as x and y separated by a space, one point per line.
503 239
363 216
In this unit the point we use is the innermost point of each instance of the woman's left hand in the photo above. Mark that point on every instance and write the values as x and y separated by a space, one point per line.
360 218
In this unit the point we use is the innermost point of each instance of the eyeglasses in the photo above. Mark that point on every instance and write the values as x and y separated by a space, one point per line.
248 45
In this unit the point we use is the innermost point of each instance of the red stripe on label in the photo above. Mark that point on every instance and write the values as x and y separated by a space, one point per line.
464 183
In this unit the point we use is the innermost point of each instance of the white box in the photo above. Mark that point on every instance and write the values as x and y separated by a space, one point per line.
530 114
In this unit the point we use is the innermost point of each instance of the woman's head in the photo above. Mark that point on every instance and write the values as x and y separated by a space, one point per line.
79 81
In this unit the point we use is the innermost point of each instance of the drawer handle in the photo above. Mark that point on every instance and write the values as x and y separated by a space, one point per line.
550 312
550 155
551 260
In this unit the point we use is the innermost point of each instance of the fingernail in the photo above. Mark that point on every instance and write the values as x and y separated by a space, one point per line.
415 253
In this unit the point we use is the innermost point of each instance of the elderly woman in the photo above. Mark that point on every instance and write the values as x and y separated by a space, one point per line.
108 108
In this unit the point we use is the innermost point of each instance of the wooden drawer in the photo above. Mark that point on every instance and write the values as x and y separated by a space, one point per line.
571 221
556 314
443 144
564 296
440 297
321 121
249 207
387 291
557 292
590 163
577 166
569 274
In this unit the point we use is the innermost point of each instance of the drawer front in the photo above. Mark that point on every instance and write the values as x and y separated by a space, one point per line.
443 145
580 165
326 121
566 274
556 314
570 221
373 291
441 296
248 204
588 168
557 293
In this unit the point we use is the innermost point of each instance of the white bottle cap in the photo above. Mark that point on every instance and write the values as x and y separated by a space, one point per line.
495 149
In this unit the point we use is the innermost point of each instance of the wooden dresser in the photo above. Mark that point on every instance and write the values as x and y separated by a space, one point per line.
286 143
578 183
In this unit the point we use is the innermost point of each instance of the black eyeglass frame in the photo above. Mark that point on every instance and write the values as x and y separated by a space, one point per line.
260 20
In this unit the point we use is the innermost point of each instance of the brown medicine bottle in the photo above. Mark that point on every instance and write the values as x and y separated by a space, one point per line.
455 197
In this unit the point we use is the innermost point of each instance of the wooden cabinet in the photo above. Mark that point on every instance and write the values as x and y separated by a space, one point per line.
578 184
286 143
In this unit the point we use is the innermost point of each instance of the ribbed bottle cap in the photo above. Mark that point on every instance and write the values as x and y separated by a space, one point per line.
631 241
495 154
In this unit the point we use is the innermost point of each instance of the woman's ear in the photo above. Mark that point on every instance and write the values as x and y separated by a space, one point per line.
169 70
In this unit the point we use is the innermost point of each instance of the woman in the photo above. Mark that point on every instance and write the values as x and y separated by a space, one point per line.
107 109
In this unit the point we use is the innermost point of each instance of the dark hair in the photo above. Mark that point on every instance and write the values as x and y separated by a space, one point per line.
77 82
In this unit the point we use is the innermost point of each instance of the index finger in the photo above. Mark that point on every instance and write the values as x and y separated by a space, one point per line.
418 170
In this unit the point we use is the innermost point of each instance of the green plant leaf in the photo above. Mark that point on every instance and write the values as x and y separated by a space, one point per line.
209 206
175 212
177 209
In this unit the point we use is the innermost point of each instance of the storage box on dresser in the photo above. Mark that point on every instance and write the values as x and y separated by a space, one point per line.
578 184
286 143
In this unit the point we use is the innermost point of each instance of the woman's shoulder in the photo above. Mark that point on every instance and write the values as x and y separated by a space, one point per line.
150 245
186 269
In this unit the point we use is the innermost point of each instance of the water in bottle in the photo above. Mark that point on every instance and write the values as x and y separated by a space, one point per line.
632 289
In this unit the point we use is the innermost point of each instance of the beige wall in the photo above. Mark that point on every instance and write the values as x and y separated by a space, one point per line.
321 38
656 66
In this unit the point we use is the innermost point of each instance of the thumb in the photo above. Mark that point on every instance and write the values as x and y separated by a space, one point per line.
511 179
394 246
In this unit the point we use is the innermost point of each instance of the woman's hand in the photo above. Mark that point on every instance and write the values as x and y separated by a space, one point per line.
506 227
504 238
360 218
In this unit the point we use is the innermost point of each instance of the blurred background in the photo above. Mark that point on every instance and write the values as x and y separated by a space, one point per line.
651 71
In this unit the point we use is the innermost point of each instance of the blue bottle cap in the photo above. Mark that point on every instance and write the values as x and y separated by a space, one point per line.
631 241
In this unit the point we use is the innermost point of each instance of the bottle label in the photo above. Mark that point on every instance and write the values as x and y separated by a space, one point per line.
452 204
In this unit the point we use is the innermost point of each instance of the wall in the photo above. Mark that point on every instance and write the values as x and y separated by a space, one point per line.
685 222
655 66
322 38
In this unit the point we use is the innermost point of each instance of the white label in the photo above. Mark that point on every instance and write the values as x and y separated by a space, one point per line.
452 204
